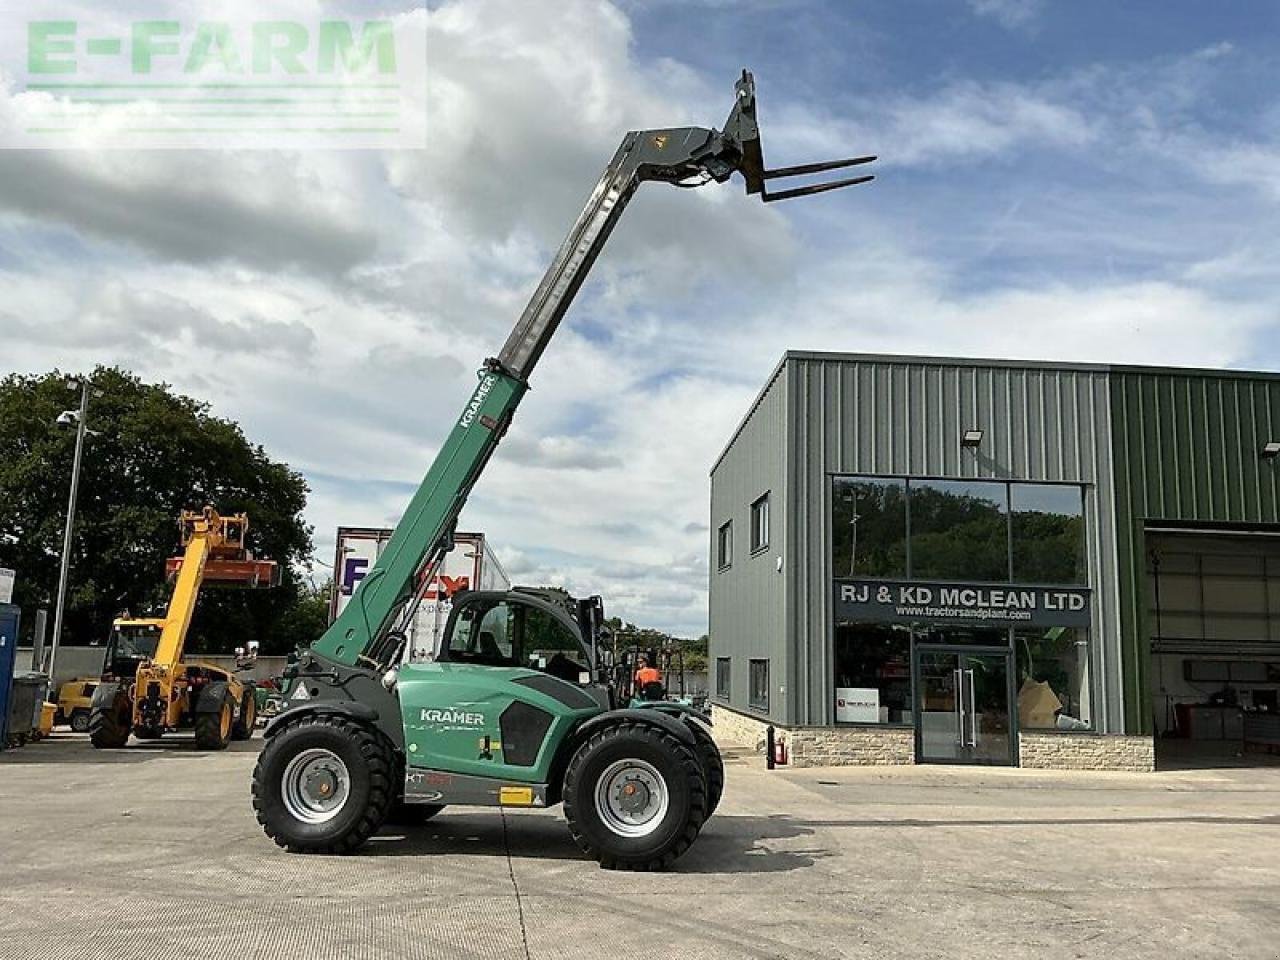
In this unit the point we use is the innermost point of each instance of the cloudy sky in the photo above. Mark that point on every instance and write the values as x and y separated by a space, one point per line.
1062 181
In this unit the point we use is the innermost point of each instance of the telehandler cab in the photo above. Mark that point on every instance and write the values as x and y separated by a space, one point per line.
365 733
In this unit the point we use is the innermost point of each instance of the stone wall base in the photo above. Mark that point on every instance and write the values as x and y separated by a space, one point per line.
871 746
1086 751
817 746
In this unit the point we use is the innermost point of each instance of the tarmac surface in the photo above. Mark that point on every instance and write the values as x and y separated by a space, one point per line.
153 851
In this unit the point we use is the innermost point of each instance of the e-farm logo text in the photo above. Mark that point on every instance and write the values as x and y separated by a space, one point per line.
336 81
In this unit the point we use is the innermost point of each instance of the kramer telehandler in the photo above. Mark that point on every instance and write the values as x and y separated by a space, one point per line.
152 688
366 736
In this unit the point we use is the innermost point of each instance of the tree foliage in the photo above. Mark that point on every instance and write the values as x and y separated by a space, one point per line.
694 651
156 453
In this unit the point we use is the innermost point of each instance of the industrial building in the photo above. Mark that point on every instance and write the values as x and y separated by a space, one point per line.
968 561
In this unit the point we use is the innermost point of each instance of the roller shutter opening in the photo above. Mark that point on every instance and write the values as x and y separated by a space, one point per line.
1213 618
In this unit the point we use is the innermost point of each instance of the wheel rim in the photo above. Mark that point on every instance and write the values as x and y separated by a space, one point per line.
316 785
250 712
224 721
631 798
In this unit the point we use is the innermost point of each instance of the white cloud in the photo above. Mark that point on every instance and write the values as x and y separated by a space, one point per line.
346 299
1009 13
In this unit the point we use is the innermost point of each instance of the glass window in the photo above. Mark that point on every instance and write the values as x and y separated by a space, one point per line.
483 633
722 678
1053 679
758 696
542 635
724 545
869 527
137 640
959 530
873 673
964 634
1047 523
760 524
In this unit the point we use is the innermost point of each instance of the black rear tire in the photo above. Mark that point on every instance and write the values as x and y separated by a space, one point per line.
369 764
215 712
657 844
712 765
109 722
412 814
243 728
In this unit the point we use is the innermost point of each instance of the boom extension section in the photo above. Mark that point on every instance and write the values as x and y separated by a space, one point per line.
370 628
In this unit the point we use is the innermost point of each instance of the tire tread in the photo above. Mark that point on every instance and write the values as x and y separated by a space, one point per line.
376 753
106 732
696 785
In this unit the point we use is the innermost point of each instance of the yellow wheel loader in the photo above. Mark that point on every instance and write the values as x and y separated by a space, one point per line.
75 699
167 692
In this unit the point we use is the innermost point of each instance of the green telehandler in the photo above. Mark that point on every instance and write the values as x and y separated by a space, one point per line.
365 737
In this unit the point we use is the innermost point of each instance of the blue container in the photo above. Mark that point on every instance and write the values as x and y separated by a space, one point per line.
10 617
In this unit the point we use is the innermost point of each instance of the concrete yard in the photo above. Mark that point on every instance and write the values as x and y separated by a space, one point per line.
153 851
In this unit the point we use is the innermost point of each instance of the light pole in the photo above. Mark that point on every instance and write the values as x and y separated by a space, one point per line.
80 419
851 498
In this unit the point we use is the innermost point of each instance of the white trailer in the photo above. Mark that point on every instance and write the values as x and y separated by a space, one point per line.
470 565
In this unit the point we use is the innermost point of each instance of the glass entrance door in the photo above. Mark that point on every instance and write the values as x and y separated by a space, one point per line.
963 702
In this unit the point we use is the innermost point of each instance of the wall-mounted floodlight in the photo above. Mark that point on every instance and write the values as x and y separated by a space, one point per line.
971 438
1270 450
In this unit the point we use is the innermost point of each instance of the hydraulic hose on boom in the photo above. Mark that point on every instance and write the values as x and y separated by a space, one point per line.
370 628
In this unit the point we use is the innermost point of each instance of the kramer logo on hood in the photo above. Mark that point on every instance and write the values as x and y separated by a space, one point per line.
463 718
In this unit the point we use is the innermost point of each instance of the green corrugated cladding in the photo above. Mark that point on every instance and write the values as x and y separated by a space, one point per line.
1186 449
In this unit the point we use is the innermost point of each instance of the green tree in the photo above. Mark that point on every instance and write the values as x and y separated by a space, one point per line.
305 620
156 453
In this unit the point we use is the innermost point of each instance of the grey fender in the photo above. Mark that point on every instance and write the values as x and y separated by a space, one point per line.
681 710
324 708
658 718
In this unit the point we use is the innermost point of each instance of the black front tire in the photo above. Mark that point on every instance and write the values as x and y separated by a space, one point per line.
215 713
680 770
80 721
369 762
712 765
243 728
109 722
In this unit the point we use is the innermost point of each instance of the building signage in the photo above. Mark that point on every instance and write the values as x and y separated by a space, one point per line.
903 601
6 585
857 705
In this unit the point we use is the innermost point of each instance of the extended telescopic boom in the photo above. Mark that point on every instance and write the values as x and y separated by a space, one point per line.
368 628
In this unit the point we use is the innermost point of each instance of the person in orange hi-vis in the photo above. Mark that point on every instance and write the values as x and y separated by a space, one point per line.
646 674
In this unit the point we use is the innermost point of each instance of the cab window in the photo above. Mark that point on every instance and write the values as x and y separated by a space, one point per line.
544 636
504 633
483 633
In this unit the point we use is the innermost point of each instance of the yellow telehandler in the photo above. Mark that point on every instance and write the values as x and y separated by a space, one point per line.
168 692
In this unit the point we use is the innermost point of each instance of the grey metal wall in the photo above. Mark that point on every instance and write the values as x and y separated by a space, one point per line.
883 415
747 601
